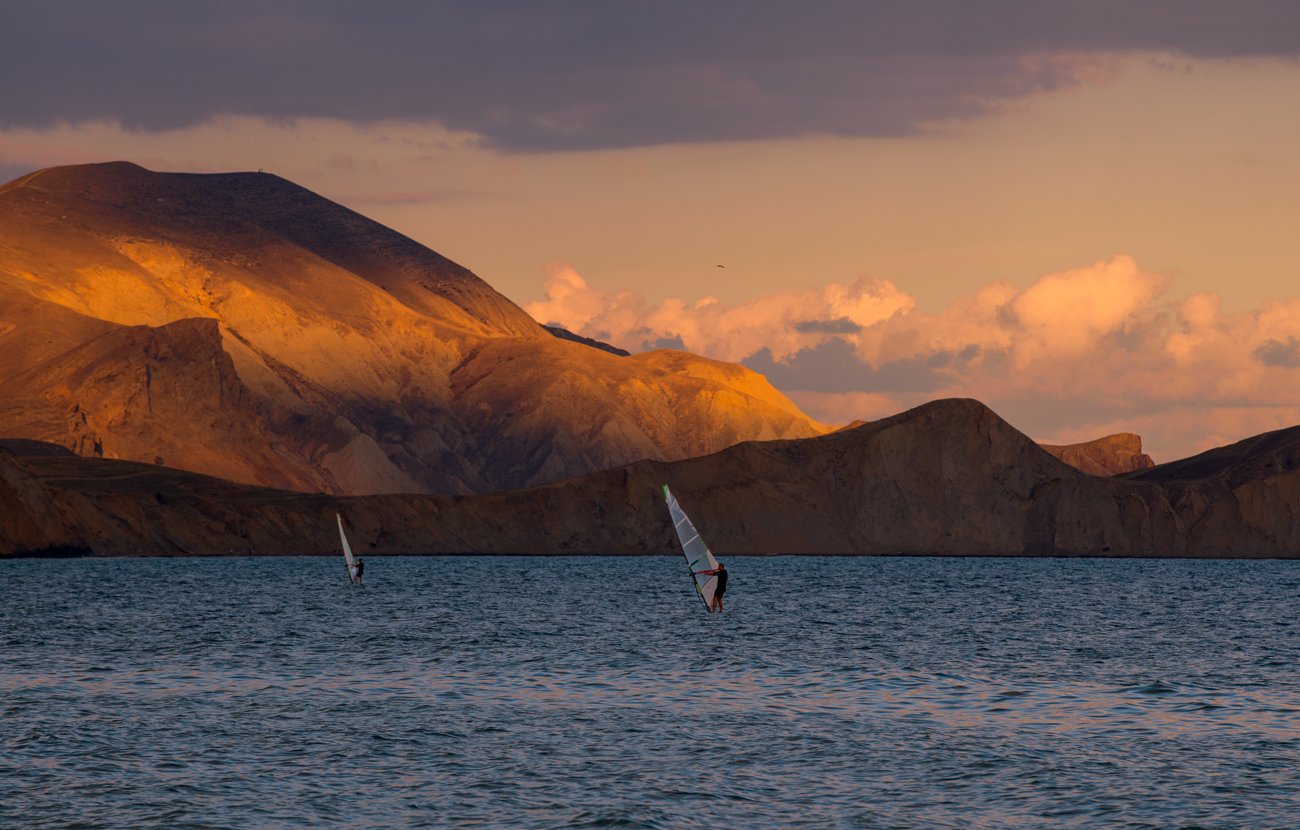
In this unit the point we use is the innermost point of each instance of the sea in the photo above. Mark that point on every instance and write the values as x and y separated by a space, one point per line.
596 692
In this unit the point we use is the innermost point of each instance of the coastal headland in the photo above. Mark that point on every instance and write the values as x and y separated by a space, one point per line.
946 478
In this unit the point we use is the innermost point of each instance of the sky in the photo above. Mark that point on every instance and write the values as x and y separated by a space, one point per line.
1083 214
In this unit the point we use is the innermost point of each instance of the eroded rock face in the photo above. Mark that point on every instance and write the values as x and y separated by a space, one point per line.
134 392
1241 497
241 326
1109 456
949 477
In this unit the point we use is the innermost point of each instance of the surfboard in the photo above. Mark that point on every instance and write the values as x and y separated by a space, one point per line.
698 557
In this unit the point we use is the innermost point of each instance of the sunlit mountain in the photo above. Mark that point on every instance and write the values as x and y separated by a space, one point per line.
241 326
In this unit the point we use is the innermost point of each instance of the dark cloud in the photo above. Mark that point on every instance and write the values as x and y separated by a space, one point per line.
1279 353
588 73
834 366
840 325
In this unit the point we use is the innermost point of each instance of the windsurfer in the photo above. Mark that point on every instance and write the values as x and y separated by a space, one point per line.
361 569
721 573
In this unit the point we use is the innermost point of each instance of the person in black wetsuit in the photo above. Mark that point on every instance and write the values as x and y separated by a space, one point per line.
361 568
721 573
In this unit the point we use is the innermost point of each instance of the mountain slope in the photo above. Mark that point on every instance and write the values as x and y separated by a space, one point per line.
359 360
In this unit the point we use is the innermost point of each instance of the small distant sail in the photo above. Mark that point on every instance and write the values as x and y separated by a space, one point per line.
347 551
698 557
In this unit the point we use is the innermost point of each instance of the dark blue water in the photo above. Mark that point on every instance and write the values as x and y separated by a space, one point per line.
595 692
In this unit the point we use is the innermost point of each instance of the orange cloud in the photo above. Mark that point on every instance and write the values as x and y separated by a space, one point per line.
1065 313
1076 354
783 322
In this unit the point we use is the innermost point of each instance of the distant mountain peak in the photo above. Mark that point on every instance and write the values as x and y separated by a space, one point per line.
1108 456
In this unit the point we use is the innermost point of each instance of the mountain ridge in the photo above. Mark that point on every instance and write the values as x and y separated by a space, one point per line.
350 346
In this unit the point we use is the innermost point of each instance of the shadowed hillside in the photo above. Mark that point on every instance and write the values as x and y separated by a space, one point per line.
946 478
242 326
1243 495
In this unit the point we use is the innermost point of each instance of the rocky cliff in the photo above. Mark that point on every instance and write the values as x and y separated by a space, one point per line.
1109 456
1241 497
241 326
949 477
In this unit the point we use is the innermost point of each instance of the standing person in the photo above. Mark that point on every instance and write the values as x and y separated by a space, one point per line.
721 573
361 568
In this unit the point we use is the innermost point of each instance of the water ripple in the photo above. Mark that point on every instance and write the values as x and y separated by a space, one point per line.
834 693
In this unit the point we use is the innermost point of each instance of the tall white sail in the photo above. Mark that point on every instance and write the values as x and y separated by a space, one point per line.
347 551
698 557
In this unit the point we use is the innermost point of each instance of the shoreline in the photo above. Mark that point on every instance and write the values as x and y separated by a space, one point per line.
39 555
